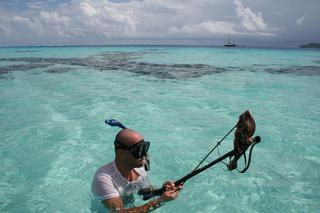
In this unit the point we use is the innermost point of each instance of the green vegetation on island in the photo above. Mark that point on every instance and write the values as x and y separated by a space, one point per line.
311 45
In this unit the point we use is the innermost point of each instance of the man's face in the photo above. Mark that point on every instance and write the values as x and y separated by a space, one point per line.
131 160
133 151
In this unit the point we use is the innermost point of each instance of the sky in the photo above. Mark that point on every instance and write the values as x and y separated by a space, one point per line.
266 23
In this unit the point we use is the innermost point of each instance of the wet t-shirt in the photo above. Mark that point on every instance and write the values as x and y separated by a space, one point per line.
109 183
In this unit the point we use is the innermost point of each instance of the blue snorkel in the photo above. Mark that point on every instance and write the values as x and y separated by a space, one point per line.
114 122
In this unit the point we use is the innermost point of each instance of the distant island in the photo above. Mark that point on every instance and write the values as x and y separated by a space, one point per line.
311 45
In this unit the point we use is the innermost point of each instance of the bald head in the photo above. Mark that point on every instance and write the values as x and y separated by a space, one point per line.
128 137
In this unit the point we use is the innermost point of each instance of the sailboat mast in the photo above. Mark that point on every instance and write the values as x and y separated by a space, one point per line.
229 44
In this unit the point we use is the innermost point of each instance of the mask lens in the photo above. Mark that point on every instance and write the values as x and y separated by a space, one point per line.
140 150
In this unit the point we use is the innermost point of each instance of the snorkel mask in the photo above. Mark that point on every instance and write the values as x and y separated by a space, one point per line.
138 150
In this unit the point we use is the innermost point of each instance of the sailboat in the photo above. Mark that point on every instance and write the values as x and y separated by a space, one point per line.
229 44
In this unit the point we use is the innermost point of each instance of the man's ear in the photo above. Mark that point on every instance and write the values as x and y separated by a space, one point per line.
121 153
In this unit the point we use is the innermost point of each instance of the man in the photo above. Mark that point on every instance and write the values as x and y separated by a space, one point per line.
116 182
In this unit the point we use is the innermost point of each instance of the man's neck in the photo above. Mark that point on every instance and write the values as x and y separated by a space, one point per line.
127 172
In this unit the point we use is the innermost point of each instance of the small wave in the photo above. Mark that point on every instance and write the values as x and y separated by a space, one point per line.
26 51
299 70
59 70
19 67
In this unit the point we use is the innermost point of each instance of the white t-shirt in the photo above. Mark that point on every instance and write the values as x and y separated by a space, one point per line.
108 183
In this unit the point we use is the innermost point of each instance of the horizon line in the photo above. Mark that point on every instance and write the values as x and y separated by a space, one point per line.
169 45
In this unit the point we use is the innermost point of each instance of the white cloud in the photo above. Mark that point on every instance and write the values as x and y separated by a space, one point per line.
299 21
20 19
250 20
119 19
98 20
103 18
205 28
218 27
5 27
54 18
22 26
34 4
87 9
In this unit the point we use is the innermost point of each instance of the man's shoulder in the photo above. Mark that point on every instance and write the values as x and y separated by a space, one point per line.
103 183
106 170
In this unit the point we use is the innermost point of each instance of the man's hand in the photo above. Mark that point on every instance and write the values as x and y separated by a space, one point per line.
171 192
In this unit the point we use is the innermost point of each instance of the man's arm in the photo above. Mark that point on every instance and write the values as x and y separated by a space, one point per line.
116 205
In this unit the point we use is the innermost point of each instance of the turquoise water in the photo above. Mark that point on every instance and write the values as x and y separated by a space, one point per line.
53 102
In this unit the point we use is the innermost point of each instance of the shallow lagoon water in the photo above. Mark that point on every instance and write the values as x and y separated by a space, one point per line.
53 102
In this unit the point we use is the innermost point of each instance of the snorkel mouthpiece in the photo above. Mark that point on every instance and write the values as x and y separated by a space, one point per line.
146 162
